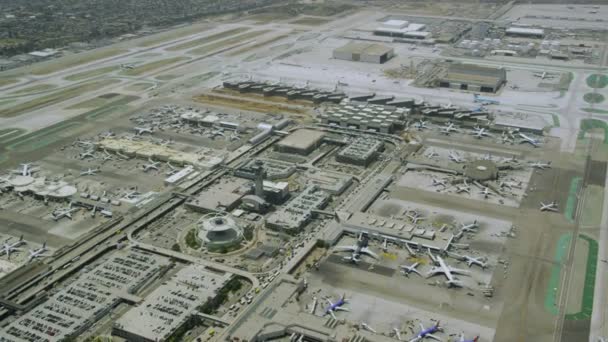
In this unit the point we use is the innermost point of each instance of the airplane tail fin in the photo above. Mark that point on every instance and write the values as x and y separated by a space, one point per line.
44 244
21 238
476 339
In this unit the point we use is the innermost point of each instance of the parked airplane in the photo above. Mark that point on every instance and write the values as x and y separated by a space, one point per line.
107 155
544 74
463 188
406 270
25 170
368 327
438 182
142 130
131 194
361 247
480 132
87 154
431 153
337 306
455 157
89 172
540 165
471 227
484 100
427 333
527 139
151 166
37 253
9 247
127 66
548 207
397 333
462 339
447 129
475 261
506 139
486 192
447 271
420 125
415 217
58 214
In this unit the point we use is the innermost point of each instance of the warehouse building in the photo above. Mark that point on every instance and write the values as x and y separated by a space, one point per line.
361 151
525 32
366 117
473 77
364 52
302 141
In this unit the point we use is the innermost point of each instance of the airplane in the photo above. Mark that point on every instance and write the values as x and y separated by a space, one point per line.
361 247
543 75
234 136
449 128
131 194
420 125
505 139
58 214
514 86
447 105
431 153
151 166
510 185
89 172
397 333
9 247
471 227
548 207
406 270
438 182
484 101
127 66
385 245
427 333
475 261
122 156
463 188
368 327
447 271
25 170
455 157
87 154
337 306
486 192
142 130
415 217
107 155
37 253
462 339
529 140
480 132
540 165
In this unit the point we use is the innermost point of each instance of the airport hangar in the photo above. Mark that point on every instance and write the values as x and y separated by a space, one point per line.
473 77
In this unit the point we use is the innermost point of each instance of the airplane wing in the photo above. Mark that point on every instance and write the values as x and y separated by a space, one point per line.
345 248
339 308
433 337
369 252
434 271
459 271
329 301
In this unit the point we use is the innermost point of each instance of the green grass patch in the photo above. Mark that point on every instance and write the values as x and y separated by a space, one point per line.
593 98
91 73
597 81
594 110
55 97
144 68
571 201
35 89
555 120
207 39
6 81
205 49
590 269
591 214
589 124
192 239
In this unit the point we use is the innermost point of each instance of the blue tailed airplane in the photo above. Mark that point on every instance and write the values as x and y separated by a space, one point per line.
337 306
427 333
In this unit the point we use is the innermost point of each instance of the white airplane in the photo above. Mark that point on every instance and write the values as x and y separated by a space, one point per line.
431 153
234 136
58 214
548 207
475 261
87 154
447 129
406 270
420 125
131 195
368 327
510 185
463 188
37 253
544 74
107 155
9 247
397 333
127 66
151 166
427 333
480 132
415 217
471 227
540 165
447 271
25 170
527 139
122 156
89 172
143 130
361 247
506 139
462 339
455 157
440 182
486 192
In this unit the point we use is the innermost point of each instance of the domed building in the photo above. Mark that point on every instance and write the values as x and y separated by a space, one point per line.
219 231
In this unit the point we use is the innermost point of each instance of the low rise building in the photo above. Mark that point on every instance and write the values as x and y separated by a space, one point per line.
302 141
473 77
360 151
297 212
364 52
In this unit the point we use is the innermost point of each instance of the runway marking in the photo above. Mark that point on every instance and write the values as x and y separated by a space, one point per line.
572 198
553 287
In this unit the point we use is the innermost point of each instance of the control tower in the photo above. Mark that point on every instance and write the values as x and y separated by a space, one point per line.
260 175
